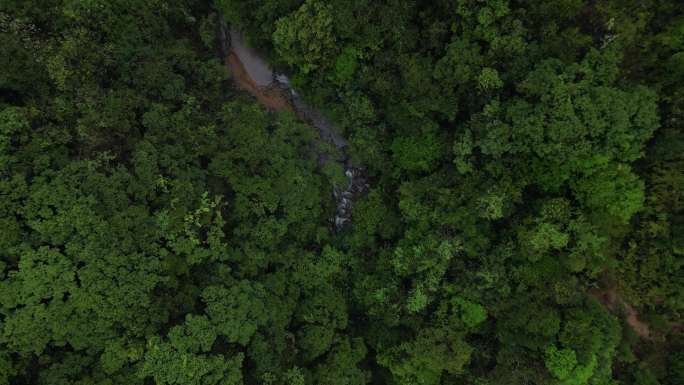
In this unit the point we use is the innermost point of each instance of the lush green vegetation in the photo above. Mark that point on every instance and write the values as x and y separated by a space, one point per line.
526 160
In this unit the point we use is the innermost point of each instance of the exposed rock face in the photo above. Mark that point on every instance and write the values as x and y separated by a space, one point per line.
252 73
357 185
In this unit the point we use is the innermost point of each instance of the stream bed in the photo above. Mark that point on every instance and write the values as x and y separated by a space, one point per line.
252 73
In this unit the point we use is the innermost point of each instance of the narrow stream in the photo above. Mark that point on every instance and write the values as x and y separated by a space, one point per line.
252 73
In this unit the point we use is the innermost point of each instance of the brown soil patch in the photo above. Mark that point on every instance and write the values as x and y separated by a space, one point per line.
271 97
612 300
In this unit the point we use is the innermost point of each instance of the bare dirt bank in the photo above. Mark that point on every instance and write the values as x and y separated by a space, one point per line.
612 300
271 97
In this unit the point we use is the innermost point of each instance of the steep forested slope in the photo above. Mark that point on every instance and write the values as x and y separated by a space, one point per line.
159 226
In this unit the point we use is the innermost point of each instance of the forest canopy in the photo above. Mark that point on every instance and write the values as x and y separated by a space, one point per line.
520 218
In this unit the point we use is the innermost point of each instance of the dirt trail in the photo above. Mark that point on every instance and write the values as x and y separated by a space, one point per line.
616 304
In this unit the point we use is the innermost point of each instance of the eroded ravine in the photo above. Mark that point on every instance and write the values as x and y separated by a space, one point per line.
253 74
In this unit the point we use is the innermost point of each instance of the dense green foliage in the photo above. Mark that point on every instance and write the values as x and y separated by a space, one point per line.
526 165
